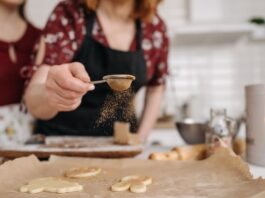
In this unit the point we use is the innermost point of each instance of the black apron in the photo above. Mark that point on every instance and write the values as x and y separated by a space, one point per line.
99 61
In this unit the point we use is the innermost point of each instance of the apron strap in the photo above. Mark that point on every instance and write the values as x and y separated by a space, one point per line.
138 34
90 18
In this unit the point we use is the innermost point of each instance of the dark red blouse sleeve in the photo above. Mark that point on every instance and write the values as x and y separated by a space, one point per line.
63 33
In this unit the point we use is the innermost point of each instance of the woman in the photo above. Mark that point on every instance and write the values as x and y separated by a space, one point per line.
17 39
87 40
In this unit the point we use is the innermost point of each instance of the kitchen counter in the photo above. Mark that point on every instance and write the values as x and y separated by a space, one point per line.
164 139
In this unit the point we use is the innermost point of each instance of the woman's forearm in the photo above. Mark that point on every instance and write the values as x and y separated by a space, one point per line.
35 96
153 101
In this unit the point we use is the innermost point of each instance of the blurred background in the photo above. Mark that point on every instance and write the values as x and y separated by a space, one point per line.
215 52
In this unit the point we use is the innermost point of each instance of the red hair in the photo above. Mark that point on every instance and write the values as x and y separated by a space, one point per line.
144 9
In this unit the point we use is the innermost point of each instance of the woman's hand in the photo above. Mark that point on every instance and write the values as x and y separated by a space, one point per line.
66 85
57 88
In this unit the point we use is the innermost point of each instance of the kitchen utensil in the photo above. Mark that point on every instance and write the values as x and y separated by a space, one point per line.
233 126
192 132
117 82
255 108
220 130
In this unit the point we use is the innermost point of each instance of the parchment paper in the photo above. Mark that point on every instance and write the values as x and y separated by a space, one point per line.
221 176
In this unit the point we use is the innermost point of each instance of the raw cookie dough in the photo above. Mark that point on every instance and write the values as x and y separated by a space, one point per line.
50 184
138 188
123 136
82 172
143 179
130 178
136 184
121 186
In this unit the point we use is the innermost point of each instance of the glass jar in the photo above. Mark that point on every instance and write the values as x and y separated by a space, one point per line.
218 133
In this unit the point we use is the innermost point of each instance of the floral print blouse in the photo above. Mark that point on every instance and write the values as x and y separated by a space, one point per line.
65 31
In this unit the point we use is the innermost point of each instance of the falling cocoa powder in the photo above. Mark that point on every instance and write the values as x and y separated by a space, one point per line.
118 106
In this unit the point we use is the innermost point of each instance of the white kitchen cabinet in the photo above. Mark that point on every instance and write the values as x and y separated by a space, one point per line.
206 11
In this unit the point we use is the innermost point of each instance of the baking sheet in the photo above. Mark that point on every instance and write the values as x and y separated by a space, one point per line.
221 176
74 146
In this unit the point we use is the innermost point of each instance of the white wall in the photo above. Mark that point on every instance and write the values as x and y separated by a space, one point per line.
242 10
37 11
176 11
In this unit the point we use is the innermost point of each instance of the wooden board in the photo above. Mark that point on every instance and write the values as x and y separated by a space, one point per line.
102 147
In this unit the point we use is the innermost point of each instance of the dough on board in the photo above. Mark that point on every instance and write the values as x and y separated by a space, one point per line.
82 172
50 184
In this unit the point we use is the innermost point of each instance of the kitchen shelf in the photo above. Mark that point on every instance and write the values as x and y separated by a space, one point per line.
258 35
210 33
258 39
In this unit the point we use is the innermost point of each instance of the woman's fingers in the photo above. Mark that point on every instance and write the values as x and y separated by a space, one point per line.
78 70
53 85
62 104
66 85
69 80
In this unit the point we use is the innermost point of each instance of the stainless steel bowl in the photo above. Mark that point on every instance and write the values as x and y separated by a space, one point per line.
192 132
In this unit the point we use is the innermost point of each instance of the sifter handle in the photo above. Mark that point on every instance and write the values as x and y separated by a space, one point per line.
98 82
